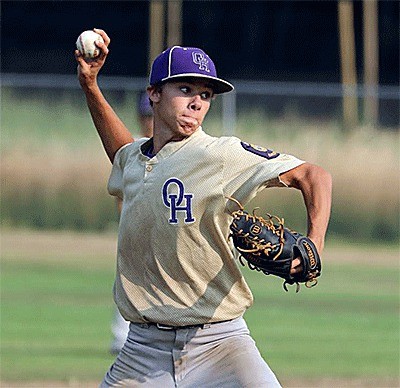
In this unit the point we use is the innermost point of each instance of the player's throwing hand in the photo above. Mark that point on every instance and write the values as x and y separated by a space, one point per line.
87 71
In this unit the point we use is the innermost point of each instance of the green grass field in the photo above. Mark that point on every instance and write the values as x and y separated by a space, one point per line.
56 310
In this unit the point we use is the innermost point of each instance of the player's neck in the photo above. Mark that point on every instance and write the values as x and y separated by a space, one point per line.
164 136
161 141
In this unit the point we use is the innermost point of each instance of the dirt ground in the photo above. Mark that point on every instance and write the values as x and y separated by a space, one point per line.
29 243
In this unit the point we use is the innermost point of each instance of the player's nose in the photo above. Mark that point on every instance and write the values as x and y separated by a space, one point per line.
196 102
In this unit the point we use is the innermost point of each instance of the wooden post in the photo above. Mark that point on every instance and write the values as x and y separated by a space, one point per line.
157 30
174 36
371 61
348 62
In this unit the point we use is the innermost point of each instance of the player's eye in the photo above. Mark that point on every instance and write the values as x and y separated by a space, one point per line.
185 89
205 95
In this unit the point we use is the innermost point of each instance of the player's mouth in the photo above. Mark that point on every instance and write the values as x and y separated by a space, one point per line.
188 123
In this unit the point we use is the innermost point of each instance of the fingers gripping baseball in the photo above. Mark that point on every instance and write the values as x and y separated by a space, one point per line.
90 64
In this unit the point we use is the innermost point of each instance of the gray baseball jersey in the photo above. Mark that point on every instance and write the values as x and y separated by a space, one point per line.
174 262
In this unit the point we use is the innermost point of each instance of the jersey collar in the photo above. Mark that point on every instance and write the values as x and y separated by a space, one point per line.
170 148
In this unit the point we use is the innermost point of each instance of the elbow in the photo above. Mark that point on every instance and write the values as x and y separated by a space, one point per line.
313 175
322 176
318 180
306 175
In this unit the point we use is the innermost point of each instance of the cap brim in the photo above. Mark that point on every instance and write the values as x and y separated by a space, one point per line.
219 85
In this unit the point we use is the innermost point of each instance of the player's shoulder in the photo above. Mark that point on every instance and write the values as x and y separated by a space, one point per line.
135 145
233 147
228 146
208 146
128 150
219 142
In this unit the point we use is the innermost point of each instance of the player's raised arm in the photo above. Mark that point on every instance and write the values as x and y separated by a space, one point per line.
112 131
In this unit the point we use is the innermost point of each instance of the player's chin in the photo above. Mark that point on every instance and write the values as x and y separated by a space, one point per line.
187 129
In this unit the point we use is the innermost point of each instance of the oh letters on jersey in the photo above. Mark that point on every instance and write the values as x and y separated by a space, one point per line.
261 151
175 198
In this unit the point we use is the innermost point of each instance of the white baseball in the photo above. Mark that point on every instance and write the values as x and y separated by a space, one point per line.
86 44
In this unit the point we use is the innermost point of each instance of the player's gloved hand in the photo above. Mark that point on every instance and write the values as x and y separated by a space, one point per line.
297 263
273 249
88 71
296 266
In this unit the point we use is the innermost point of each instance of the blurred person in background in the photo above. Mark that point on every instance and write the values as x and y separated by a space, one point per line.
120 326
145 112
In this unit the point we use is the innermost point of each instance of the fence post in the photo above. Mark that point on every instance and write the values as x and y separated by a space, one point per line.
371 61
174 25
157 30
348 63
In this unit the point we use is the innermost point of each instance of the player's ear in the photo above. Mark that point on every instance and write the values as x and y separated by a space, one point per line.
154 93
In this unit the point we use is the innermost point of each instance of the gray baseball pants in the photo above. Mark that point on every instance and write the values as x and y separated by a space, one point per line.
221 355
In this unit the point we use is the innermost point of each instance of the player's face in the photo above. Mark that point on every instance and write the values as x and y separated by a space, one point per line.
180 107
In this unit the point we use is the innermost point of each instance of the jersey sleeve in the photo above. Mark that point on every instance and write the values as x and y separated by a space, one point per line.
249 169
115 186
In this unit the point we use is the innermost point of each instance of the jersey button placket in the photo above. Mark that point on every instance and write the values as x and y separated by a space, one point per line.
148 168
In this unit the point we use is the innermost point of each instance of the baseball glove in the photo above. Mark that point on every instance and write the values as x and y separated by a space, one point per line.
269 247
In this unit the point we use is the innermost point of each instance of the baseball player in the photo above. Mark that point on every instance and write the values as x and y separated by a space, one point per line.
120 326
177 281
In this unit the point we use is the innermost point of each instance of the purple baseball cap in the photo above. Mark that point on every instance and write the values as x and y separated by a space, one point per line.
179 62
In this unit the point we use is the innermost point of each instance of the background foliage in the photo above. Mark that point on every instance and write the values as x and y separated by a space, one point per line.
54 172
